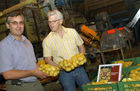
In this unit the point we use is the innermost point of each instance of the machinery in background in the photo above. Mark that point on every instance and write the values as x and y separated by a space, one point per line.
135 25
89 32
126 32
112 39
91 39
121 37
115 38
103 21
89 35
134 20
109 41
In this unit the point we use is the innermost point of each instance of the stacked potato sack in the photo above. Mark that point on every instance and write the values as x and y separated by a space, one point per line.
50 70
75 61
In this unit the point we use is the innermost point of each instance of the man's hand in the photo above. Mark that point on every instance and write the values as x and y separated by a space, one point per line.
38 73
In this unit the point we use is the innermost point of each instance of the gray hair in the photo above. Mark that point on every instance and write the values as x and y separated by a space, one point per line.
55 12
14 14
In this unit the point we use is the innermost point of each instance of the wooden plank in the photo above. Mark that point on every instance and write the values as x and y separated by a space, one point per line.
117 7
92 1
113 8
100 1
79 7
99 4
103 4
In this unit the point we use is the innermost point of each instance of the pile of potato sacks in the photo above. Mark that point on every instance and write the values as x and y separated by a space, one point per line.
68 65
75 61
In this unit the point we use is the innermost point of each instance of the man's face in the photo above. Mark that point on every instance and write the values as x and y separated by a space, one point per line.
16 25
54 23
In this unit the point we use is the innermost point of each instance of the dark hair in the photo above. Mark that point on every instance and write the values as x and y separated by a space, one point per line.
13 14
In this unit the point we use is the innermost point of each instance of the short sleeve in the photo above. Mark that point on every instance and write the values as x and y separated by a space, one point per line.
46 48
78 39
5 58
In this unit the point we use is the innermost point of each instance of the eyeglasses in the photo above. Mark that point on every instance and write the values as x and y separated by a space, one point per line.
16 23
53 21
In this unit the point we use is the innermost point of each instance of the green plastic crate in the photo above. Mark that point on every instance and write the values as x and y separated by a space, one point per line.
135 61
127 71
102 87
130 59
129 86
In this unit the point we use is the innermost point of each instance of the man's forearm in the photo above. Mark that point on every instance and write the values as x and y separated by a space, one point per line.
81 49
17 74
50 61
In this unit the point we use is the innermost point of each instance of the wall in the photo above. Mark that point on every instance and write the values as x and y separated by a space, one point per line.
93 7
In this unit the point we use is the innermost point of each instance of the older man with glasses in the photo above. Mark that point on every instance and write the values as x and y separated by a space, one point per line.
63 43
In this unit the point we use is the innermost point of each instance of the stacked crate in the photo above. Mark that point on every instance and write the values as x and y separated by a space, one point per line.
126 83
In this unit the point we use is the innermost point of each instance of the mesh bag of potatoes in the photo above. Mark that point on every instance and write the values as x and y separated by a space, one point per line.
50 70
75 61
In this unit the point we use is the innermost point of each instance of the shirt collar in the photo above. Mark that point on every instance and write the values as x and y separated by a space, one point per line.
64 28
13 38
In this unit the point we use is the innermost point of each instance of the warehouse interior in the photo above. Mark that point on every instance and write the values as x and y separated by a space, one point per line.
109 28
